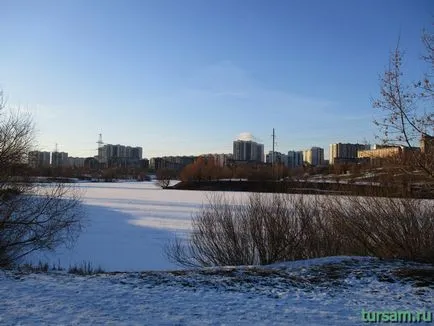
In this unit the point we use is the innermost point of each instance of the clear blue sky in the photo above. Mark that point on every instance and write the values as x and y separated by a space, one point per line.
187 76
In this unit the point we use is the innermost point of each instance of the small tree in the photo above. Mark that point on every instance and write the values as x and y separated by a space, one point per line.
164 176
408 108
32 217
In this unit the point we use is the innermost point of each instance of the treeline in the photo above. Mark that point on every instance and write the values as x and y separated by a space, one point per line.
106 174
207 169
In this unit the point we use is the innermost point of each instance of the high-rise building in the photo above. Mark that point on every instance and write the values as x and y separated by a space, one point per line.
314 156
345 152
76 162
59 159
295 159
119 155
279 158
248 150
39 159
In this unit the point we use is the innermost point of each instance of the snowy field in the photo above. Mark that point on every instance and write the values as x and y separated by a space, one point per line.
127 228
326 291
128 224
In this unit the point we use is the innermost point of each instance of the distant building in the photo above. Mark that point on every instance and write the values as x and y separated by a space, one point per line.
38 159
91 163
176 163
248 151
314 156
295 159
119 155
342 153
382 152
219 159
76 162
59 159
279 158
144 163
426 143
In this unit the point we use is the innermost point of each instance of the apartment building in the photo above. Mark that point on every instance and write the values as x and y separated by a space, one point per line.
59 159
248 151
37 159
119 155
76 162
279 158
219 159
170 162
381 152
314 156
295 159
343 153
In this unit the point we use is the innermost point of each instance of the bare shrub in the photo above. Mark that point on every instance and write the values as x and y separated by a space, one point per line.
269 228
387 227
265 229
85 268
218 238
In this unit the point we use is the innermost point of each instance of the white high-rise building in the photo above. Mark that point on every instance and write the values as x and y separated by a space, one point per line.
248 150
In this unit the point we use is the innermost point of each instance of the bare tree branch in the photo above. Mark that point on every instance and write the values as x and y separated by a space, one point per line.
32 217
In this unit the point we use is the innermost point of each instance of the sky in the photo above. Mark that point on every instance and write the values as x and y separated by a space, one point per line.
186 77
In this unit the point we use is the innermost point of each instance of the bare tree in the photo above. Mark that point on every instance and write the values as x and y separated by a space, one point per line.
164 176
32 217
426 85
37 218
406 117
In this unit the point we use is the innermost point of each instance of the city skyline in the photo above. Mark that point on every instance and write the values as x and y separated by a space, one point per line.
179 79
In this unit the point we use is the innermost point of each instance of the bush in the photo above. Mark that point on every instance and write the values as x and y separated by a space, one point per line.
387 227
85 268
270 228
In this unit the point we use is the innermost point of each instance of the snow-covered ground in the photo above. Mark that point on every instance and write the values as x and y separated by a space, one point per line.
128 224
327 291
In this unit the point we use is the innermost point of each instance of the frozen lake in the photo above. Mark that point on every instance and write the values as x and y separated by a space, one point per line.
128 224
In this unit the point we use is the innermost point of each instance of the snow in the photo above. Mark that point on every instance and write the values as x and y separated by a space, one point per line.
327 291
128 225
